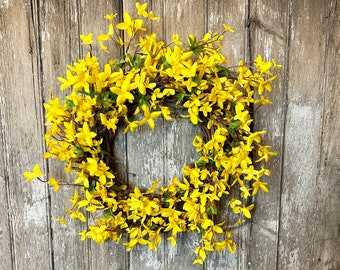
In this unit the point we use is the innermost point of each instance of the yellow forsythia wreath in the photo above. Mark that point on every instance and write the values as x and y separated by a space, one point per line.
151 79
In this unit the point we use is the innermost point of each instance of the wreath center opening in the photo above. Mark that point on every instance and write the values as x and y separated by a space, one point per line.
159 154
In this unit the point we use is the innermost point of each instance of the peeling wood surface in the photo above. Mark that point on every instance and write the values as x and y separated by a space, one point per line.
295 226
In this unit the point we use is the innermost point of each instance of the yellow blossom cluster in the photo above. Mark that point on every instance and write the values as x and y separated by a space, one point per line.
151 79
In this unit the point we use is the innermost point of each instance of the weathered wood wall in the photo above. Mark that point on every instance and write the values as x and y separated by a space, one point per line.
296 226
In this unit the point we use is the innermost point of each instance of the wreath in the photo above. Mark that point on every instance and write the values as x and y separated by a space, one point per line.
151 80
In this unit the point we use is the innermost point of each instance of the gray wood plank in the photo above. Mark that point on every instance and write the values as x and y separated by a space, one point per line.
108 255
21 120
6 246
179 134
6 243
145 158
233 13
144 150
187 17
60 45
268 28
304 196
326 238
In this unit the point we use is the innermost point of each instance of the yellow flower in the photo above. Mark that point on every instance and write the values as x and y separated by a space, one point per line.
87 39
275 65
54 183
202 254
228 28
258 184
264 153
82 178
82 235
129 25
123 92
78 215
120 41
193 109
262 65
172 240
100 39
152 16
92 166
149 116
141 9
61 220
110 17
85 135
110 123
69 81
132 126
33 175
175 39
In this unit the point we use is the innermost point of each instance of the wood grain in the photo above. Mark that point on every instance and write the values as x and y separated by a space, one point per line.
59 27
22 122
302 222
6 244
326 240
269 22
183 18
235 48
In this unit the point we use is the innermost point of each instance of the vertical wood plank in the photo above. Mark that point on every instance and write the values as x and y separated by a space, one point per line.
183 18
21 120
233 13
59 30
5 225
268 27
304 195
326 238
6 247
145 159
179 151
108 255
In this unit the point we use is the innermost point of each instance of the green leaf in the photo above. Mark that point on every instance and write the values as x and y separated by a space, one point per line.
180 97
91 92
233 126
142 99
107 99
212 210
120 63
222 71
195 47
107 213
234 143
166 64
192 42
79 151
92 185
201 164
135 61
154 226
69 104
196 50
166 194
199 230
